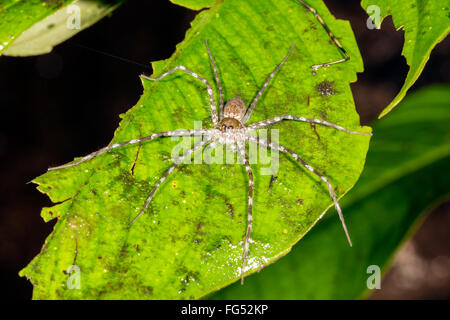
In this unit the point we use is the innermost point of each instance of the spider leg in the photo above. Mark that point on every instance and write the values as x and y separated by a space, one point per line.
307 166
250 207
196 76
263 88
167 173
123 144
216 74
330 34
258 125
212 145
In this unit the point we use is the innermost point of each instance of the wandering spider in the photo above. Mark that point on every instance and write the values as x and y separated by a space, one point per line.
229 129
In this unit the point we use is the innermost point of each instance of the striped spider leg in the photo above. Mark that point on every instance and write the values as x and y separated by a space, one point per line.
275 146
263 88
214 116
168 172
175 133
244 155
264 123
267 122
330 34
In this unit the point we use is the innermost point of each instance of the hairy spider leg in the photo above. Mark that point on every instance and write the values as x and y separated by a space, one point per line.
263 88
214 117
241 147
175 133
308 167
261 124
212 145
330 34
216 74
167 173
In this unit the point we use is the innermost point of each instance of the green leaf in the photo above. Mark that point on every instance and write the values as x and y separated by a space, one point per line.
405 175
426 23
35 27
195 4
189 242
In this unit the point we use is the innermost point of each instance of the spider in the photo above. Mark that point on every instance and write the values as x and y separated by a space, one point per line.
230 128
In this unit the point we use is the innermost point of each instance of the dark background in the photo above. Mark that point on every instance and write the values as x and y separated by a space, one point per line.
67 103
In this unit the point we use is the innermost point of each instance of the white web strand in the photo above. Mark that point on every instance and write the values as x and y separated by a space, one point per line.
243 153
216 74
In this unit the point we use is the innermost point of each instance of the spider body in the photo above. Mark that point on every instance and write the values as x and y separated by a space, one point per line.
230 129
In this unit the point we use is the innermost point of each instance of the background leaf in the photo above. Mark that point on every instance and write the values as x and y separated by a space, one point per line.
35 27
195 4
189 243
426 23
405 175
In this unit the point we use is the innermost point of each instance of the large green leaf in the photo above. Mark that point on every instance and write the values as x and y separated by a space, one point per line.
406 173
35 27
189 243
425 23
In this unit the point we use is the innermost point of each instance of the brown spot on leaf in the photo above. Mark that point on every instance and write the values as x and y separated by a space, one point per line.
326 88
230 209
272 180
313 126
199 226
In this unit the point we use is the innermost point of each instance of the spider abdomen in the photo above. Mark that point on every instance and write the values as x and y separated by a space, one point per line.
235 108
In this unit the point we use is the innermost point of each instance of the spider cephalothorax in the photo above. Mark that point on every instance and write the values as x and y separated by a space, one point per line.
228 124
230 129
